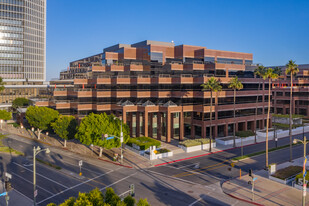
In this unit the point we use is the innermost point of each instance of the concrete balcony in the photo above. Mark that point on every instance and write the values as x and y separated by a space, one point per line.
230 66
89 106
104 93
87 93
80 81
194 66
177 67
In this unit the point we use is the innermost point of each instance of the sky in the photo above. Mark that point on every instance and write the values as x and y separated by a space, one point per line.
274 31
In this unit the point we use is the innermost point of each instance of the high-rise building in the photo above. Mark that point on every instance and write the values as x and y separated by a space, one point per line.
22 48
156 88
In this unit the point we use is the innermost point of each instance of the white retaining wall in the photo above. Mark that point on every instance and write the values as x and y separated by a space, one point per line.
197 147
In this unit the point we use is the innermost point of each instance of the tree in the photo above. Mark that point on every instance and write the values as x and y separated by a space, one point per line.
270 75
213 85
65 127
235 84
5 115
143 202
20 102
2 84
292 70
260 71
277 70
93 126
41 117
129 200
111 197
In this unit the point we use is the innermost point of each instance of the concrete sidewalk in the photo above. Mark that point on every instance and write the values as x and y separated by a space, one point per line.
266 192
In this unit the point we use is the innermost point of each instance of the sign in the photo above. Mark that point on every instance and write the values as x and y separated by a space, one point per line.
108 138
155 151
8 175
80 163
35 193
232 164
106 135
254 179
2 194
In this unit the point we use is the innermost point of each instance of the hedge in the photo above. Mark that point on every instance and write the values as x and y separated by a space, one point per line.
144 142
284 126
288 116
194 142
288 172
247 133
163 150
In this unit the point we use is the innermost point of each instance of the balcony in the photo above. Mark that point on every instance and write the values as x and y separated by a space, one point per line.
85 93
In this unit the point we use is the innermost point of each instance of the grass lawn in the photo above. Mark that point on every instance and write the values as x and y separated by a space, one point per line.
288 172
8 149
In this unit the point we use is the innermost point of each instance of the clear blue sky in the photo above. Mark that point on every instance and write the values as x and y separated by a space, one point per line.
273 30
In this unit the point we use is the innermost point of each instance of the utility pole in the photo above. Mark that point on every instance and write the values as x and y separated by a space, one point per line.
121 142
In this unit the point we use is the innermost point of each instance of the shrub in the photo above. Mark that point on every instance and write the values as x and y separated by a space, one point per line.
288 116
285 126
288 172
144 142
301 176
194 142
247 133
163 150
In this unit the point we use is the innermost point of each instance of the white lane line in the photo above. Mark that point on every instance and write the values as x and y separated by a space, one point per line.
23 195
186 165
195 201
117 181
83 168
41 175
175 178
31 183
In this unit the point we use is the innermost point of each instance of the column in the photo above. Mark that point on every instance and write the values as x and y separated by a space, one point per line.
254 126
130 123
262 124
150 131
216 131
159 129
192 127
270 123
226 130
145 123
246 126
124 116
172 125
181 126
203 130
168 126
236 127
138 124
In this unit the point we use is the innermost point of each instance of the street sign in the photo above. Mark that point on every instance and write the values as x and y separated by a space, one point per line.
232 164
254 179
80 163
106 135
8 175
35 193
108 138
2 194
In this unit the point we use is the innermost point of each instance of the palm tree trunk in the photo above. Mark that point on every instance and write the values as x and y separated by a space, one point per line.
290 122
65 143
210 131
234 125
101 151
256 111
267 123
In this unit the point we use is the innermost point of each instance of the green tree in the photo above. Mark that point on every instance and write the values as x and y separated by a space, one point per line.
2 84
212 85
65 127
5 115
129 200
93 126
20 102
270 75
41 117
259 72
82 200
235 84
111 197
292 70
277 70
143 202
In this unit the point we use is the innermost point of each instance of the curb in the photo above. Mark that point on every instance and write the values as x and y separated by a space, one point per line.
115 163
238 198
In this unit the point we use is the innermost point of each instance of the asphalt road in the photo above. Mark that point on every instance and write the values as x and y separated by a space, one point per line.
57 185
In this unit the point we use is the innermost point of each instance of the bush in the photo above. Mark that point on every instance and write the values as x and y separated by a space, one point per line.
194 142
5 115
288 116
288 172
285 126
301 176
144 142
163 150
247 133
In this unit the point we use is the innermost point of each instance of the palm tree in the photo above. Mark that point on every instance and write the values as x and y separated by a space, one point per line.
235 84
270 75
213 85
291 69
260 71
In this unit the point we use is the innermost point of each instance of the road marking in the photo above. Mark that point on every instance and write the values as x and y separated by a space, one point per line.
195 201
117 181
192 172
83 168
74 186
31 183
41 175
186 166
23 195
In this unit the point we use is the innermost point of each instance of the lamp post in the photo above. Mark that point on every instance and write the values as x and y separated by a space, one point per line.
121 141
1 122
304 142
35 152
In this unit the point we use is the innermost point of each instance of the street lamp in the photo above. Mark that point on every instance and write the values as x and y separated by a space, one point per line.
304 142
1 122
121 141
35 152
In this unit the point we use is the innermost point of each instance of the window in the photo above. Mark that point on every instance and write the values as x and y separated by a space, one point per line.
156 57
229 61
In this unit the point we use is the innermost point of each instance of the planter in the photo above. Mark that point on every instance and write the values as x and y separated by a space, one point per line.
231 141
197 147
286 181
300 187
143 153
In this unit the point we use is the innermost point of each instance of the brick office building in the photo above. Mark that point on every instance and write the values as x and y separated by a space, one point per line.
281 92
155 88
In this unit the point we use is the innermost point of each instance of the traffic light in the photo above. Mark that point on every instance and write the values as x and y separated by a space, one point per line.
7 185
132 190
250 172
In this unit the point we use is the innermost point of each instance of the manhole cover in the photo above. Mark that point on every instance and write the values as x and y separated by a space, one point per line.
190 191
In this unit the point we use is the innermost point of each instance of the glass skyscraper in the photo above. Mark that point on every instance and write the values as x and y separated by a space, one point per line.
23 40
22 49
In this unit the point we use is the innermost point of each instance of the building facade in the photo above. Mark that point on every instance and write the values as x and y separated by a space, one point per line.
156 88
281 92
22 48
